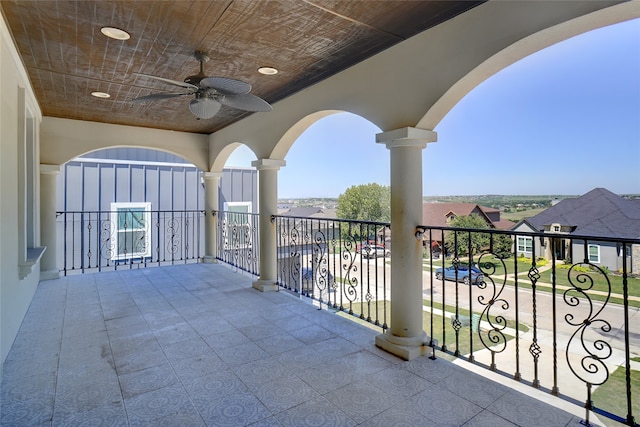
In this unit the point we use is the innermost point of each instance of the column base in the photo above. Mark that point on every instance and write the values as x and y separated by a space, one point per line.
208 259
265 285
407 348
49 275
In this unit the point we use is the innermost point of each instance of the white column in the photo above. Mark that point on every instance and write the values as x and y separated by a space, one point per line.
211 184
405 337
48 232
268 206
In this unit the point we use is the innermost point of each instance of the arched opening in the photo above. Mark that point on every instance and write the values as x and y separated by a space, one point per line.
334 153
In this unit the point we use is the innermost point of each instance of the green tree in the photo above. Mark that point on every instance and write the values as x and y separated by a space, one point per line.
367 202
502 245
461 238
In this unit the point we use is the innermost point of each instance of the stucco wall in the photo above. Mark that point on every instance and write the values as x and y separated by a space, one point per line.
15 95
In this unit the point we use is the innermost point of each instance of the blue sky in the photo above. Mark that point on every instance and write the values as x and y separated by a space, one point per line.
562 121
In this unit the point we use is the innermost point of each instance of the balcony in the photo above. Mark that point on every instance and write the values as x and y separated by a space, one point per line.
188 343
196 345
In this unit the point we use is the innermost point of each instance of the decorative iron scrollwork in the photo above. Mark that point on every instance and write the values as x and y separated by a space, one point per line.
494 338
586 350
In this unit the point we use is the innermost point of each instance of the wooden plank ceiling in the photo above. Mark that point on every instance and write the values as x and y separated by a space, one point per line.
67 57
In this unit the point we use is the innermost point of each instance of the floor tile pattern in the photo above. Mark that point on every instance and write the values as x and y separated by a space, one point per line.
195 345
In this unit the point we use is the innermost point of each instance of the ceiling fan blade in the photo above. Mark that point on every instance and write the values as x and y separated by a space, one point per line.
226 86
158 96
246 102
171 82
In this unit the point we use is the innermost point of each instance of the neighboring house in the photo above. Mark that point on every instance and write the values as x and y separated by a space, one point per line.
324 228
129 190
284 206
301 251
441 215
310 212
598 213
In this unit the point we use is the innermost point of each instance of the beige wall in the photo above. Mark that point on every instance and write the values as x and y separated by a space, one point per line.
65 139
16 214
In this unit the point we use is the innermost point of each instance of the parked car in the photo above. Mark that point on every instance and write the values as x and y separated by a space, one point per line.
375 251
361 245
463 274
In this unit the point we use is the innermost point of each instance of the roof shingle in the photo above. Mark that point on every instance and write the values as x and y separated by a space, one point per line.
598 213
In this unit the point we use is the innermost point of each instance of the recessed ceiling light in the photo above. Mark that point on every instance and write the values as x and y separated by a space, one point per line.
101 94
115 33
269 71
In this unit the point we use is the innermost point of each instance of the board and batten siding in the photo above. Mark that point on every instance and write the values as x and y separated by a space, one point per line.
93 185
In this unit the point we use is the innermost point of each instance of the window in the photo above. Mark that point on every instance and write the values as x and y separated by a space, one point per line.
237 212
28 208
132 230
621 252
525 244
237 232
594 253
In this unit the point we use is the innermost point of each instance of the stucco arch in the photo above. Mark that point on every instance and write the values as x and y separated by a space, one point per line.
293 133
520 50
285 142
87 154
218 163
62 140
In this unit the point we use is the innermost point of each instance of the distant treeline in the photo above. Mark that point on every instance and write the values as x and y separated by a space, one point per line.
497 200
490 200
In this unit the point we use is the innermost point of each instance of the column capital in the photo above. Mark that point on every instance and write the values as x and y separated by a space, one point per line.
211 175
265 164
49 169
406 137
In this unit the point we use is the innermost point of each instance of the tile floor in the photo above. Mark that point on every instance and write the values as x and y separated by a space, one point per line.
195 345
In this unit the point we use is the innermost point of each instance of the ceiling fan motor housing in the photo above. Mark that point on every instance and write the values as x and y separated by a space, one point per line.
195 80
201 57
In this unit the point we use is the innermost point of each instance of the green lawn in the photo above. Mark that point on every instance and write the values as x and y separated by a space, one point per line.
611 396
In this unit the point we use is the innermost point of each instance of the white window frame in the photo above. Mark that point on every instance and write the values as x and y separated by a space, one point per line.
115 206
522 244
232 221
597 256
228 207
28 187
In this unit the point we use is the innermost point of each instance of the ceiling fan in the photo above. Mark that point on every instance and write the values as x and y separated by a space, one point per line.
210 92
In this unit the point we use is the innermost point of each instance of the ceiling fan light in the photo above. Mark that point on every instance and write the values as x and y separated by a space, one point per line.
100 94
115 33
204 108
268 71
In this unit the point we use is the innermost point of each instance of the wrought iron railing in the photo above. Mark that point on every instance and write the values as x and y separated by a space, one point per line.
557 318
134 238
549 309
238 240
341 264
